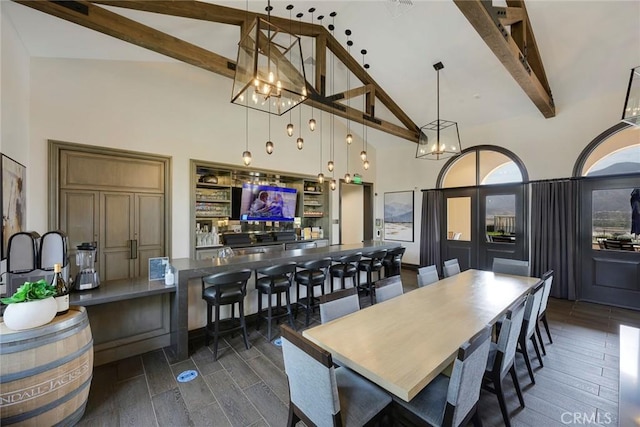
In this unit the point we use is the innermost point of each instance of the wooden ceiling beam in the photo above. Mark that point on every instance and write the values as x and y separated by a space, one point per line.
99 19
351 93
509 15
519 64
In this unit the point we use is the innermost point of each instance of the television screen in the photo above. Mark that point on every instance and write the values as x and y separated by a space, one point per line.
267 203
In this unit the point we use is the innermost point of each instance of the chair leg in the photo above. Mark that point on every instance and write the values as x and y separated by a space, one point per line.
208 328
216 333
259 319
293 418
269 318
514 377
477 421
544 351
546 326
535 347
243 324
309 306
370 284
503 407
525 354
288 300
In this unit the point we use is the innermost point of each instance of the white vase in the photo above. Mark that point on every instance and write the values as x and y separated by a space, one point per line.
30 314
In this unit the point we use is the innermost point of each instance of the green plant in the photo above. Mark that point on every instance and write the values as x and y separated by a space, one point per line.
31 291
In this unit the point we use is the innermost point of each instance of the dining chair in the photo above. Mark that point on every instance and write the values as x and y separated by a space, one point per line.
542 316
314 274
427 275
501 359
370 263
511 266
323 395
338 304
227 288
388 288
451 401
528 330
451 267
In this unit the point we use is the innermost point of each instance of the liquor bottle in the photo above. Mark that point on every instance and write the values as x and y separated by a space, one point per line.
62 290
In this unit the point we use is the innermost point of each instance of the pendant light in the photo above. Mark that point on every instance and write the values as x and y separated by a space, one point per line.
290 125
349 137
312 121
363 153
246 155
330 163
300 140
321 175
269 145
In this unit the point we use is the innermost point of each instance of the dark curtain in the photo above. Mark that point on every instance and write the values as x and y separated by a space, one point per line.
554 234
430 232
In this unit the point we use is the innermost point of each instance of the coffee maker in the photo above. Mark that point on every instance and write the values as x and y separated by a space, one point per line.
87 277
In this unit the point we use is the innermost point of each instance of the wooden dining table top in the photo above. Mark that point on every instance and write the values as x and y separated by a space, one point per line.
403 343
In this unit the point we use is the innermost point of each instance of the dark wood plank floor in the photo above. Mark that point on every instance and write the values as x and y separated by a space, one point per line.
578 384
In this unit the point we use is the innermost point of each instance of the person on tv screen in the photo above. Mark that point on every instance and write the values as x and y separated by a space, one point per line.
259 206
276 206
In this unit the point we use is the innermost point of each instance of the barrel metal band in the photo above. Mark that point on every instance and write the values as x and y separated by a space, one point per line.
41 410
56 334
47 367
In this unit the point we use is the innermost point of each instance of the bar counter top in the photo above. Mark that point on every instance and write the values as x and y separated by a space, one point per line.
117 290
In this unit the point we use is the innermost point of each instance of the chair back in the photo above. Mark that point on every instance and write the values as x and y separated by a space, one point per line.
376 256
508 338
548 281
531 309
511 266
427 275
321 264
229 279
350 259
312 380
466 378
387 288
338 304
287 269
451 267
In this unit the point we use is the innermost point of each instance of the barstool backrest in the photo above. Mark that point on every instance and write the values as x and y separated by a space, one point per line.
348 259
377 255
278 269
316 264
238 277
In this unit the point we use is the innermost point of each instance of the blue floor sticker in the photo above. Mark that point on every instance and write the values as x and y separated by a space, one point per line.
277 342
187 376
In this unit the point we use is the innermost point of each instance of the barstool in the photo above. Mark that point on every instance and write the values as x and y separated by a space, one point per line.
314 274
371 262
392 262
346 267
227 288
276 281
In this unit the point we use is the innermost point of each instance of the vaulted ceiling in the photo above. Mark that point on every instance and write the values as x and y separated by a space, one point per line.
577 45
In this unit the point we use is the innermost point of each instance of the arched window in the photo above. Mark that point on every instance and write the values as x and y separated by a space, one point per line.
617 153
482 165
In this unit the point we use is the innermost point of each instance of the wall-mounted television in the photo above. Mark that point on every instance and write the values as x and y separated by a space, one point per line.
267 203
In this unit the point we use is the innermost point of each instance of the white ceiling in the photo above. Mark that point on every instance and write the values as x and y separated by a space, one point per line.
586 47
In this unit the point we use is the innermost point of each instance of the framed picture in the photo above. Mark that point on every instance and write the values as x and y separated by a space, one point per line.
14 200
398 216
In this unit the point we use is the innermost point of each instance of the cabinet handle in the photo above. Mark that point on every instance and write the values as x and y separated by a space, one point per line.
133 249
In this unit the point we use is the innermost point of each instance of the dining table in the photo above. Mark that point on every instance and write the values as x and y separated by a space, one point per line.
403 343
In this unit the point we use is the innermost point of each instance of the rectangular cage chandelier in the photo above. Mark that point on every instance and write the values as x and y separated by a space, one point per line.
270 74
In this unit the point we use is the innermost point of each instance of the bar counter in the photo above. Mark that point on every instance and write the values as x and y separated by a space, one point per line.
188 269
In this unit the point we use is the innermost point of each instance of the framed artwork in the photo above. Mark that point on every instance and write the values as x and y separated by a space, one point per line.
14 200
398 216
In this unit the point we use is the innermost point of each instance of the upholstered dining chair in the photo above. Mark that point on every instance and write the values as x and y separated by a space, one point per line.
388 288
451 401
338 304
451 267
542 316
502 356
528 330
427 275
511 266
323 395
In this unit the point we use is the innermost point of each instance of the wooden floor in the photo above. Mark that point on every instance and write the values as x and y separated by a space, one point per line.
578 384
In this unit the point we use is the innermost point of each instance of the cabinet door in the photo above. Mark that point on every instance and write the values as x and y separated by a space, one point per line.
149 230
116 250
79 218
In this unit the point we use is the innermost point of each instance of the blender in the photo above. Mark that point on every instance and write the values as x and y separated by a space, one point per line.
87 277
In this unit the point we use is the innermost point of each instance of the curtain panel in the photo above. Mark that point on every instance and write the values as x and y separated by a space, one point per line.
430 231
554 234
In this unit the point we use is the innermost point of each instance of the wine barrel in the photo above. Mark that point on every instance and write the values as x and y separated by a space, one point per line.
45 372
